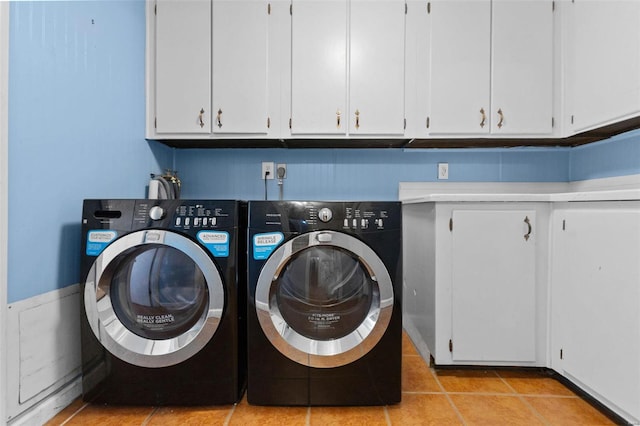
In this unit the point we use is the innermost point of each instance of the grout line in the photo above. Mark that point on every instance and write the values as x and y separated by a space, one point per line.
228 418
148 419
74 414
446 394
386 415
524 401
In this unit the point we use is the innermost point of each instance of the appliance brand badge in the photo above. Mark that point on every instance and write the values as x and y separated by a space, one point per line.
97 240
217 242
265 244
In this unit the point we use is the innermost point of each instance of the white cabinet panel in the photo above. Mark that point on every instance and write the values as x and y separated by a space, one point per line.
493 285
183 67
319 67
460 67
240 46
522 67
603 62
597 302
377 40
491 68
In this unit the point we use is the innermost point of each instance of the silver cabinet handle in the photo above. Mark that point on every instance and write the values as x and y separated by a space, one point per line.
219 118
484 117
201 117
528 234
501 118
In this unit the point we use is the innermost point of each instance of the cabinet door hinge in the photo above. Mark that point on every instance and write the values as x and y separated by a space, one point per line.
428 122
564 224
268 122
428 7
290 123
451 224
450 345
269 9
561 354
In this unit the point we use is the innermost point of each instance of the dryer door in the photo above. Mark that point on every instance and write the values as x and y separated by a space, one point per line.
154 298
324 299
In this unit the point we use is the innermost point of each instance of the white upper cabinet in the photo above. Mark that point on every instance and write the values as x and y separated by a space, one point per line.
319 67
182 68
602 53
460 66
347 67
210 69
377 68
240 46
491 68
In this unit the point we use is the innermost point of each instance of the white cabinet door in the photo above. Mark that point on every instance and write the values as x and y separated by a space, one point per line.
460 67
376 77
493 286
319 67
240 46
491 67
522 67
183 67
598 305
603 63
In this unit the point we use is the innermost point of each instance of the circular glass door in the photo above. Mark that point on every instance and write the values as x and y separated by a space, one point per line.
154 298
324 299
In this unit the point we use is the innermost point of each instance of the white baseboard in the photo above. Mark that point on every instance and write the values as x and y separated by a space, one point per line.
43 354
47 408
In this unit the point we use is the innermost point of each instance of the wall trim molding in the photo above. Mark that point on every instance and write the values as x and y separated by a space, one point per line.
44 365
4 197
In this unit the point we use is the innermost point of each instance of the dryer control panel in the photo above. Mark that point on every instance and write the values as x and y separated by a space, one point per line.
303 216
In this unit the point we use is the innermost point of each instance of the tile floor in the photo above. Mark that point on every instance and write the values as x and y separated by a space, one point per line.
430 397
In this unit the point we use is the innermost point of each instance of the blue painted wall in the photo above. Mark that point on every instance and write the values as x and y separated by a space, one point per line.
76 130
618 156
357 174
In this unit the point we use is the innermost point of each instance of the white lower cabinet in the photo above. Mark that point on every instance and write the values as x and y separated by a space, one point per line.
484 302
595 301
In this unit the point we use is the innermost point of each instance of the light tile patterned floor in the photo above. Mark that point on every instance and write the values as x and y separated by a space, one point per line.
430 397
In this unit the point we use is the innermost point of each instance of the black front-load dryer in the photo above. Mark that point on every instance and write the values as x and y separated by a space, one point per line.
161 322
324 303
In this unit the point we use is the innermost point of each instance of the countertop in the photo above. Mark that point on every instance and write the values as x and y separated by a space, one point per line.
611 195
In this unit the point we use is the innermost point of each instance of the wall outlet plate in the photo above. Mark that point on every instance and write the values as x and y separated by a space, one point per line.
268 166
443 170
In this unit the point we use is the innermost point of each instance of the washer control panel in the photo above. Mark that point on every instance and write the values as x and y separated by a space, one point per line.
183 214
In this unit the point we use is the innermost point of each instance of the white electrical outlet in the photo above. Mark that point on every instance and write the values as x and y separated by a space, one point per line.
267 166
443 170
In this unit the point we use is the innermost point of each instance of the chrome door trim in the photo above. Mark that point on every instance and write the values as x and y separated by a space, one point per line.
130 347
324 353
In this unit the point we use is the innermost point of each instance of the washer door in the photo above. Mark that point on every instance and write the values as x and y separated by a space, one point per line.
154 298
324 299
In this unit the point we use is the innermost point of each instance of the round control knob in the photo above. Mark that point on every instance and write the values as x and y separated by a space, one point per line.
325 215
156 213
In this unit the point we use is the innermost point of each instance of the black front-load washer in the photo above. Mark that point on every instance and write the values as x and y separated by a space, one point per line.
324 303
161 322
